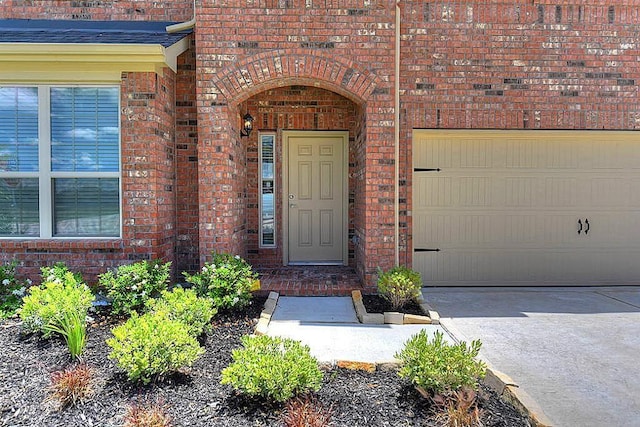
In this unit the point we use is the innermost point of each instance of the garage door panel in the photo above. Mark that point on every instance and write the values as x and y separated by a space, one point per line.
525 268
527 207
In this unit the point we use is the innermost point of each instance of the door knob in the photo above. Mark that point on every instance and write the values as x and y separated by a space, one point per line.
293 205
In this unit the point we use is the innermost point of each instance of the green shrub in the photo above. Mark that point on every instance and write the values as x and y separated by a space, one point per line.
131 286
185 306
73 327
399 285
51 301
227 279
57 273
439 367
272 367
11 290
152 345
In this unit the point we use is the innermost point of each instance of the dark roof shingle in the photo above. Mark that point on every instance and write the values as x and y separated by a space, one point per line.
108 32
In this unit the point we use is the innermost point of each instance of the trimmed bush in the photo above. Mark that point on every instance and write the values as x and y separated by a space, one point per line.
272 367
131 286
439 367
399 285
46 304
227 279
185 306
152 345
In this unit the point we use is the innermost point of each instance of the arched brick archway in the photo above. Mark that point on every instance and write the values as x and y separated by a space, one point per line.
264 71
223 177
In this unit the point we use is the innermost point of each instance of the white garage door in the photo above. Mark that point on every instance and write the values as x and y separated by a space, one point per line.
526 207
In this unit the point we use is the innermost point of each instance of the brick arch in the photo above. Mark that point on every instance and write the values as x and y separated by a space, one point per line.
268 70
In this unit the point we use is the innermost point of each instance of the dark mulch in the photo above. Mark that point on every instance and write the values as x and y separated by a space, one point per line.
377 304
196 398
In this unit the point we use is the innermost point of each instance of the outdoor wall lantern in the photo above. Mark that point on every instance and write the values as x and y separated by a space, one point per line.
247 125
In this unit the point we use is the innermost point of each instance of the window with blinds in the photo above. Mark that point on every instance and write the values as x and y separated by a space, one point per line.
267 191
59 162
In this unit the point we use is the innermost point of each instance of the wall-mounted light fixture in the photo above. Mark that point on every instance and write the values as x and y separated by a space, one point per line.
247 125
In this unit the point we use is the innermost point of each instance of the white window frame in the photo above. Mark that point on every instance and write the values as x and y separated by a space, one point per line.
260 181
46 176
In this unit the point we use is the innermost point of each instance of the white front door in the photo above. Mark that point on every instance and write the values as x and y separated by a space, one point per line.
315 193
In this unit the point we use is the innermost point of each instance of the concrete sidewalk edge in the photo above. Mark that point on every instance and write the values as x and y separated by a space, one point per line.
265 316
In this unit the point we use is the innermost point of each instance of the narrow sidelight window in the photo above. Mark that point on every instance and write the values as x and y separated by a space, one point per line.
266 191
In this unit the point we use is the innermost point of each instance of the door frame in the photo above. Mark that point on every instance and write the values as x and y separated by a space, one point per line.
285 188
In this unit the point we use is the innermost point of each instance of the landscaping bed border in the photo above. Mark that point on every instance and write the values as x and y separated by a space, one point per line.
501 383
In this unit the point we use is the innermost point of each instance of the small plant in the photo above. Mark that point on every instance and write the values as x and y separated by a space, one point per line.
460 409
57 273
152 345
148 415
399 285
439 367
11 290
131 286
52 301
306 412
185 306
73 327
272 367
227 279
72 385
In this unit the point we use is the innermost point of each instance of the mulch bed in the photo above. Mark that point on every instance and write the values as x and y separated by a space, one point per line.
196 398
377 304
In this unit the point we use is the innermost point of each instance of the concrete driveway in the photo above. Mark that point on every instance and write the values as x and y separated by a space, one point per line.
576 351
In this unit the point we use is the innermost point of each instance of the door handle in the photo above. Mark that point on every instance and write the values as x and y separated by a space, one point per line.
587 225
580 226
293 205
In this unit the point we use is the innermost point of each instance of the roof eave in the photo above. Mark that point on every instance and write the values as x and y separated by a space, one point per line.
28 61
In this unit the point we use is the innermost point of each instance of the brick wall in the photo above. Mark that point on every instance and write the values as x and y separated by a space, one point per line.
187 244
98 10
247 47
516 65
507 64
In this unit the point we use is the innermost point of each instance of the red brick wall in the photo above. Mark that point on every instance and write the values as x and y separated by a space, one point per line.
508 64
187 243
300 108
245 48
516 65
148 164
98 10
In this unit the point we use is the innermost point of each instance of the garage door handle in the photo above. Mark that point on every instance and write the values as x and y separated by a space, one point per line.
580 226
587 225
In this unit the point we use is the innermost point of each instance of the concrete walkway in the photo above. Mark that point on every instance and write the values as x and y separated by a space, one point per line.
328 325
576 351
